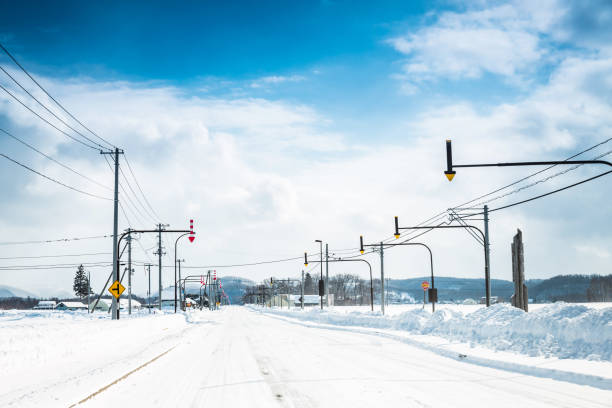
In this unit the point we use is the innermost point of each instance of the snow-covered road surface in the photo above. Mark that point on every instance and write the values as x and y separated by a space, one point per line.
238 357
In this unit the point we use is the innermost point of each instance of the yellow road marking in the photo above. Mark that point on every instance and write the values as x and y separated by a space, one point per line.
121 378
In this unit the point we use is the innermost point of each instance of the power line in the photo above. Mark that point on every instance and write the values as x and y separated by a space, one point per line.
54 180
34 268
535 173
53 160
47 241
128 200
238 265
47 109
148 214
39 266
54 100
551 192
543 180
138 185
55 256
45 120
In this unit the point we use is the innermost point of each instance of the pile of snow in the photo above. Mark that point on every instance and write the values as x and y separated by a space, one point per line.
557 330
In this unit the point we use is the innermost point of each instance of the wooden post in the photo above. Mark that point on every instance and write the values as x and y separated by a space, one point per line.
520 297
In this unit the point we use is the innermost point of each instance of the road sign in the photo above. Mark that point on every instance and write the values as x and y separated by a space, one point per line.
425 285
116 289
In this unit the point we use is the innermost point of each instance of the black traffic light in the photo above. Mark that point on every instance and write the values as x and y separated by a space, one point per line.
397 233
449 161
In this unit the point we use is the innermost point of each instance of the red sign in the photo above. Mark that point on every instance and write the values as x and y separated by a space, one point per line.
191 234
425 285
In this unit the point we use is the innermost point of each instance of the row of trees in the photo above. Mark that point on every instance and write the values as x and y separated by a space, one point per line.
348 289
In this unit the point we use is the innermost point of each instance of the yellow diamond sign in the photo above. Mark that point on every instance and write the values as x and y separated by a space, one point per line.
116 289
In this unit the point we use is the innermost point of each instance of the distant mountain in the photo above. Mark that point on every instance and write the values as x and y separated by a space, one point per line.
9 291
453 289
570 288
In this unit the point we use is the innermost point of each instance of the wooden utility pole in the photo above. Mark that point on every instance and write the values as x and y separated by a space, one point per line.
520 297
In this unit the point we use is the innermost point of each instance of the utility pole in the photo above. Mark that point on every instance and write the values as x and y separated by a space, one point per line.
302 291
88 289
180 288
116 153
129 241
487 254
382 280
327 275
149 291
159 261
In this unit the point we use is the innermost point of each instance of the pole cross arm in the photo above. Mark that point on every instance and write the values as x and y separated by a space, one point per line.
405 243
450 173
484 244
448 226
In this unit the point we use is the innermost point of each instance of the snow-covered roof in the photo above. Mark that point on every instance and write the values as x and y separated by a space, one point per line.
46 302
72 305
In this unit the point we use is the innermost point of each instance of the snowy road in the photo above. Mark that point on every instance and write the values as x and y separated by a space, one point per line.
247 359
240 357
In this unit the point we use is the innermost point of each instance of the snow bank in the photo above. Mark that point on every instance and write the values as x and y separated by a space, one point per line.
557 330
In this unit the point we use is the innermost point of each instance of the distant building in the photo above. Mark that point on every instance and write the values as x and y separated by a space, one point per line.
45 305
105 304
469 301
494 299
70 306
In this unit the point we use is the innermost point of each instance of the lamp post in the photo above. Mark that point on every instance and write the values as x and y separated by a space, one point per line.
175 278
349 260
321 281
180 289
450 173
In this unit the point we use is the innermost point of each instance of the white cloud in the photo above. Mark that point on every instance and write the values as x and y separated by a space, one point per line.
276 79
265 178
504 40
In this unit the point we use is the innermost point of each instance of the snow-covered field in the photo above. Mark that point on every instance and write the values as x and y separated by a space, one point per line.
556 355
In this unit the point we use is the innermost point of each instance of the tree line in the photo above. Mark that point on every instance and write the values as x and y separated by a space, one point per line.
348 289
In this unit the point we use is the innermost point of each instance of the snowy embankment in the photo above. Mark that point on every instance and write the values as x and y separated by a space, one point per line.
559 330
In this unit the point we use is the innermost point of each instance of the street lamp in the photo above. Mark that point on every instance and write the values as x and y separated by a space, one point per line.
321 281
190 233
433 291
450 173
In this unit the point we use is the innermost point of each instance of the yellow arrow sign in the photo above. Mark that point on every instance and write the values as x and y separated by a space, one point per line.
116 289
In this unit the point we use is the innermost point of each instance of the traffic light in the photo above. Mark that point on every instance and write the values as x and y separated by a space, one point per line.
432 295
397 233
305 259
361 244
449 161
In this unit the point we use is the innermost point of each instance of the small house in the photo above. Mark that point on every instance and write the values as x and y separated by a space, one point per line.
71 306
45 305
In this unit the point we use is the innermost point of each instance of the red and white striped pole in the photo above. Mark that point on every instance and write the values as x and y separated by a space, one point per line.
191 234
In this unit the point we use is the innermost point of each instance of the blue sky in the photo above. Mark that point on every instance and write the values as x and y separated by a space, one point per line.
277 123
